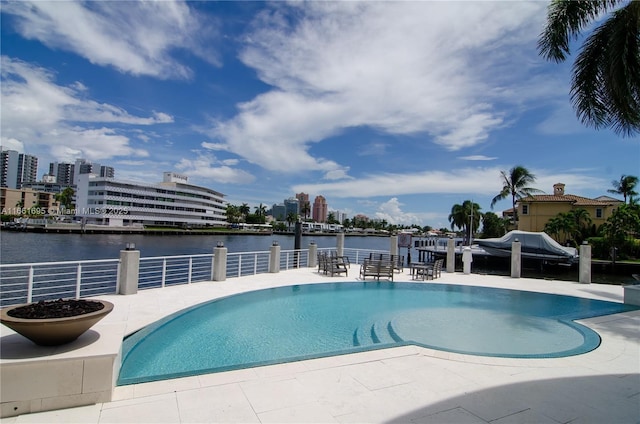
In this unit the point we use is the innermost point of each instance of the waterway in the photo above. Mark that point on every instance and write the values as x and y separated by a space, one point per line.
21 247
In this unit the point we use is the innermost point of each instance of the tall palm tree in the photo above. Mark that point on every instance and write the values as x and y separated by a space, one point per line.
605 86
466 217
291 218
516 184
625 187
305 209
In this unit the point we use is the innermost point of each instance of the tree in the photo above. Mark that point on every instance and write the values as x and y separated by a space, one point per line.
244 210
305 208
492 225
261 210
465 214
605 83
233 213
625 187
66 198
622 225
291 218
516 184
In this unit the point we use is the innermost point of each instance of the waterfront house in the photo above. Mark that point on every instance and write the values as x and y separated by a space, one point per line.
536 210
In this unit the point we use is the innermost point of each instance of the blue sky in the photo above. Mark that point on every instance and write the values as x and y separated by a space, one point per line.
395 110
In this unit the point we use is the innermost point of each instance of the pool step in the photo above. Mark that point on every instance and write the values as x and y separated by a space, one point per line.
378 333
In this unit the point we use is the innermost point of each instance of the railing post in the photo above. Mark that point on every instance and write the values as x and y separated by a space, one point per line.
78 280
312 259
451 255
164 273
255 264
274 258
240 265
516 266
585 263
340 244
190 269
129 269
220 262
30 286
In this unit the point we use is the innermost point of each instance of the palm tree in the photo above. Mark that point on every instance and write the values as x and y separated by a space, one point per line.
232 213
261 210
465 214
244 210
305 209
605 86
516 184
291 218
625 187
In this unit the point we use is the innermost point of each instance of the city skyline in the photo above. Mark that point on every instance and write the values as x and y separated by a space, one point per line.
396 111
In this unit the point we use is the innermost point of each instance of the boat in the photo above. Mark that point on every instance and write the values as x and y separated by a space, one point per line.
534 245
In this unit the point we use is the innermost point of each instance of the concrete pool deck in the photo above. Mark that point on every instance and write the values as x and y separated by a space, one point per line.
404 385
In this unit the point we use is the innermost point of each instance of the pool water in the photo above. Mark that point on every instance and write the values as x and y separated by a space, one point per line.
307 321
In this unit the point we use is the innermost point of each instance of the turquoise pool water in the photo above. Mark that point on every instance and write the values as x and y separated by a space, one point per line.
307 321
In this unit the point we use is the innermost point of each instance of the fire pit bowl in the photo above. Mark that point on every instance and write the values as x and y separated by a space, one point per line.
55 322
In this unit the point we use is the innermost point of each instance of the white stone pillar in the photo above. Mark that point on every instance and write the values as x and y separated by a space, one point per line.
129 268
274 258
585 263
393 244
340 244
312 260
516 265
220 263
467 258
451 255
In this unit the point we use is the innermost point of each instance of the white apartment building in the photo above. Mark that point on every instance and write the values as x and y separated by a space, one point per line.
173 202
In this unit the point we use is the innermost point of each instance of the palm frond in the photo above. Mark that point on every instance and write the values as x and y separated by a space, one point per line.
605 89
565 20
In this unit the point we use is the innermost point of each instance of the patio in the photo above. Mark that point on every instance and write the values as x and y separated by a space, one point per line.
405 384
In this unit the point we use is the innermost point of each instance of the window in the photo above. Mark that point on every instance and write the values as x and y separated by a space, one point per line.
525 209
598 212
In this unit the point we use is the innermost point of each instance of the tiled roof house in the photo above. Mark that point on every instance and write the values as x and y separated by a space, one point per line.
536 210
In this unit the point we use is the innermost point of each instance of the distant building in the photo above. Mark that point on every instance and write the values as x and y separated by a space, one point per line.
278 212
319 211
64 173
291 206
26 201
535 211
305 206
173 202
17 168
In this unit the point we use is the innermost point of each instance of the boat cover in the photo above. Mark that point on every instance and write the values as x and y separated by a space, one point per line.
533 245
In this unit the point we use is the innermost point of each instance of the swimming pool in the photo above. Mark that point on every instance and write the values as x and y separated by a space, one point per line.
307 321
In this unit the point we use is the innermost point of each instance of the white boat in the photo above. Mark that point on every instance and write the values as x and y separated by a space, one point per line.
533 245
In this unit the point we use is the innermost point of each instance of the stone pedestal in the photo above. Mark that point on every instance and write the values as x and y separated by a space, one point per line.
312 260
516 260
129 267
467 258
451 255
585 264
274 258
340 244
220 263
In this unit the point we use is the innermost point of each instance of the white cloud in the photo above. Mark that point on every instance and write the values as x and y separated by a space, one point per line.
207 167
477 157
391 212
37 111
12 144
138 39
467 180
440 68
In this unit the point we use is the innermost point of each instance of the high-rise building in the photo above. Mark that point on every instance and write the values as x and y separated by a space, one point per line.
17 168
67 174
305 206
291 205
64 173
320 209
